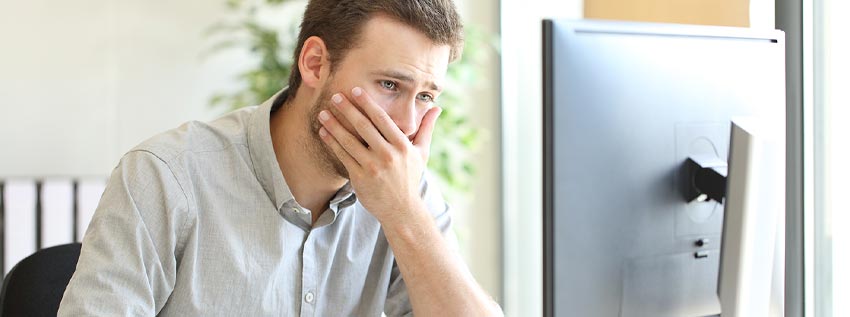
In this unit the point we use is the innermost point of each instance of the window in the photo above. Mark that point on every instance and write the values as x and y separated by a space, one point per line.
831 70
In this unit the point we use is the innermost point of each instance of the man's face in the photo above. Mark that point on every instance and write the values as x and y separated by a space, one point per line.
399 67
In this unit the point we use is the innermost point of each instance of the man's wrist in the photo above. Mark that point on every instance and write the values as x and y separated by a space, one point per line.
408 221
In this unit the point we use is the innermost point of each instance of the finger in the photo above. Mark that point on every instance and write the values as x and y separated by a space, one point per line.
426 128
422 140
347 160
343 137
361 123
379 117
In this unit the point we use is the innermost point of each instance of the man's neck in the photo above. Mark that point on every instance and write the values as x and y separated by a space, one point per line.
311 185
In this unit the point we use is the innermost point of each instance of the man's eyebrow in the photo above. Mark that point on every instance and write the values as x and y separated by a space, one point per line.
401 76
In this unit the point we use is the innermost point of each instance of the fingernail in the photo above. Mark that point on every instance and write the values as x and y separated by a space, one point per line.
357 91
323 132
324 116
336 98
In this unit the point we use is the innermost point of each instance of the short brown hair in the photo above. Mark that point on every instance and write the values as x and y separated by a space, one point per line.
339 23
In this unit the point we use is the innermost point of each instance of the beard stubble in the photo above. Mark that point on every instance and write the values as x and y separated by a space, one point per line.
320 152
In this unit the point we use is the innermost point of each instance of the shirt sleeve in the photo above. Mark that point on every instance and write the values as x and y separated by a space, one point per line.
398 300
128 262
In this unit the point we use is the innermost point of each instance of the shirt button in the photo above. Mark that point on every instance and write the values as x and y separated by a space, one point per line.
309 297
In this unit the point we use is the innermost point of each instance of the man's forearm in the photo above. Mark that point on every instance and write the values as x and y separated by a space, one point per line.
437 280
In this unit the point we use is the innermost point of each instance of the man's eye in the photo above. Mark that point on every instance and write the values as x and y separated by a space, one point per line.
389 85
426 98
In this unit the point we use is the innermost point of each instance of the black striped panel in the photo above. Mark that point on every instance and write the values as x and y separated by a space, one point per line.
75 209
39 184
39 216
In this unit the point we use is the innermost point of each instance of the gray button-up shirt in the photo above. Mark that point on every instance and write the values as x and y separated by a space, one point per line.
199 221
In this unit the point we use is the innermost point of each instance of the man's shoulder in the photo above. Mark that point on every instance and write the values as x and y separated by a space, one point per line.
199 137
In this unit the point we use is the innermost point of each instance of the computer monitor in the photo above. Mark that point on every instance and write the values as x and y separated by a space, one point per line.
629 110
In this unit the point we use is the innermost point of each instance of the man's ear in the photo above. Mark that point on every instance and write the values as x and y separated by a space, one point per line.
313 61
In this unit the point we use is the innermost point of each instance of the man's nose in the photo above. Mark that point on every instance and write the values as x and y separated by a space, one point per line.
404 115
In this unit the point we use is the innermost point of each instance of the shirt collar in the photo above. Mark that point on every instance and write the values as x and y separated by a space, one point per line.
260 146
343 198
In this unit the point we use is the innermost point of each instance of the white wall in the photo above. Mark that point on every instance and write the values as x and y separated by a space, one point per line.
763 14
82 82
522 148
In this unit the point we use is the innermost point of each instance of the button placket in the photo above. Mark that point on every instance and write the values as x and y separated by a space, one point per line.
308 276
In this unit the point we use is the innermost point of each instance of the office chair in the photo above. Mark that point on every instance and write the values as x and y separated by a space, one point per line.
34 287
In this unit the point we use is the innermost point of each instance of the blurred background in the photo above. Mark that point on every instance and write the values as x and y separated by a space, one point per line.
82 82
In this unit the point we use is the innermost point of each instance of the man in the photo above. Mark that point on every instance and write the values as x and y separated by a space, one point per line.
312 204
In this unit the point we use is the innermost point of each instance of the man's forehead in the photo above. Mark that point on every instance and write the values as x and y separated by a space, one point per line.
392 47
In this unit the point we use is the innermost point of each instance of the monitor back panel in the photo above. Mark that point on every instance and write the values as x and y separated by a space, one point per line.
624 105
